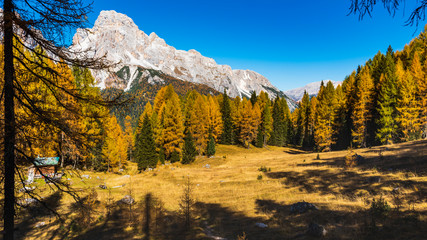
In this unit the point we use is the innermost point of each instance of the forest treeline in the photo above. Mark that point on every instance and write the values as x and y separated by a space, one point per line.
382 102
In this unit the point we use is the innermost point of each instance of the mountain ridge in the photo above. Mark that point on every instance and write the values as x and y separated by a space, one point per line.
312 89
118 38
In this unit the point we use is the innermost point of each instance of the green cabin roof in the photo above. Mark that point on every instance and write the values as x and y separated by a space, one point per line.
46 161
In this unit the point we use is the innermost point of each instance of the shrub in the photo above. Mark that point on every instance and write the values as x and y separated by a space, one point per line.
379 209
210 149
264 169
259 177
350 159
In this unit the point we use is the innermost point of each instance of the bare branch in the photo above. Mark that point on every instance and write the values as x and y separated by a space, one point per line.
366 7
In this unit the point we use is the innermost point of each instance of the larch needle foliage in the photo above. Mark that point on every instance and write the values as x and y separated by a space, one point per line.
36 63
382 102
115 147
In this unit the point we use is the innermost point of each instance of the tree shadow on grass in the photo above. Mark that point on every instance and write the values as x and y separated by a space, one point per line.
350 183
78 223
323 181
113 227
130 223
229 224
410 157
34 211
214 221
339 224
294 151
344 224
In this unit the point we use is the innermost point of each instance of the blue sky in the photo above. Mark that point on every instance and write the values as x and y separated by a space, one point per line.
292 43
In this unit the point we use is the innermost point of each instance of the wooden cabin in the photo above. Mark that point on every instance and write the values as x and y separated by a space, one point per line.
46 166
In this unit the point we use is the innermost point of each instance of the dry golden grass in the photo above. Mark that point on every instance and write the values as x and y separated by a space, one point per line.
230 198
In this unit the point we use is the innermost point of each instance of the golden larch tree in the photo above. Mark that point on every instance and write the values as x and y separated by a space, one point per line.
214 118
408 108
250 118
171 122
325 117
198 122
115 147
361 108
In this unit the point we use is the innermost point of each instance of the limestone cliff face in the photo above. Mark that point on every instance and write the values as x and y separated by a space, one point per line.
116 36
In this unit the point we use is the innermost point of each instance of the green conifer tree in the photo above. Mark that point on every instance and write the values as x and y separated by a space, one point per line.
266 126
286 121
210 150
189 152
387 102
162 156
254 97
175 157
305 114
278 134
339 129
299 125
227 134
145 147
259 142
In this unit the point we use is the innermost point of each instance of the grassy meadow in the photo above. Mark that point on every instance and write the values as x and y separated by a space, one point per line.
231 195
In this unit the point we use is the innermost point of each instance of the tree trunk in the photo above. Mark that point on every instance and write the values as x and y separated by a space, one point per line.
9 123
75 162
61 150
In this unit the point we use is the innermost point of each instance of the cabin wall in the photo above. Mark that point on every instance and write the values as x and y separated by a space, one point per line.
46 171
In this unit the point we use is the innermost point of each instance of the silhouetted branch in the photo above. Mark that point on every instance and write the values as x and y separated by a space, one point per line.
366 7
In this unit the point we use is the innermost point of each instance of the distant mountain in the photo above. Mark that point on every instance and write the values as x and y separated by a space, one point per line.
116 37
311 88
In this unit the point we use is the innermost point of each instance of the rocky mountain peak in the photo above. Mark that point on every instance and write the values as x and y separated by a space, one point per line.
153 36
192 51
116 36
114 19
